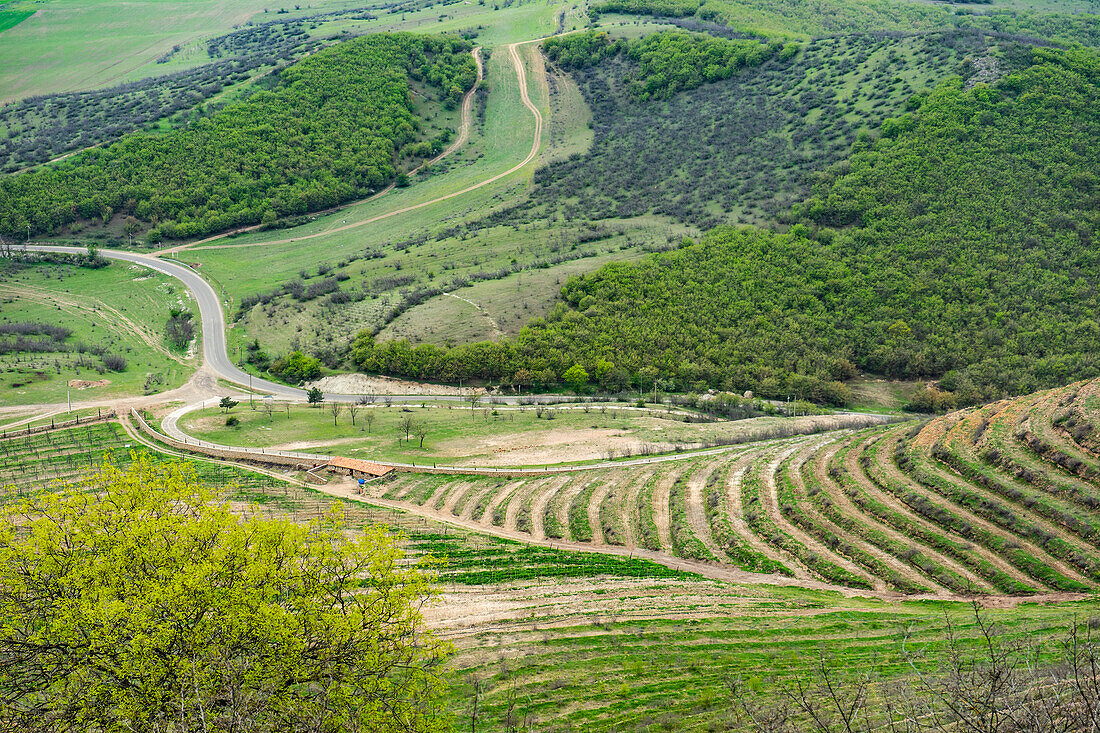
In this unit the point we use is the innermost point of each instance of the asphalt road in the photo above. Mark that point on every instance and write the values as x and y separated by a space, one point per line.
212 316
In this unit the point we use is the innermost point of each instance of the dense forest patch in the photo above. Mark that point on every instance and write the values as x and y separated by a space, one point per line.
667 62
968 253
332 129
40 128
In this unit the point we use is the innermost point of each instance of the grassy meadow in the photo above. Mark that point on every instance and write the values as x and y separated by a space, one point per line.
113 41
122 308
456 434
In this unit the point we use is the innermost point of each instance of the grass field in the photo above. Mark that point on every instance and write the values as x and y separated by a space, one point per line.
553 640
113 41
12 18
490 435
122 308
493 308
506 140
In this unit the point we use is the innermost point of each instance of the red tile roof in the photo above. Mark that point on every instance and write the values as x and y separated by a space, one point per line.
354 464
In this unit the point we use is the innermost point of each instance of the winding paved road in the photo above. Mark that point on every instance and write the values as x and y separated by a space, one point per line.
215 354
213 318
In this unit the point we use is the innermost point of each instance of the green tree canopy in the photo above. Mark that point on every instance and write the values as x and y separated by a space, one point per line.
135 601
575 376
335 127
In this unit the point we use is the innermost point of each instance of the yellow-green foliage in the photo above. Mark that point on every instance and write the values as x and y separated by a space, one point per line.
135 601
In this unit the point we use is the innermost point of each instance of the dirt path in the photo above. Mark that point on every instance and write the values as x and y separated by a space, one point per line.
453 498
441 501
465 125
628 506
736 513
497 332
770 500
568 496
511 516
471 503
594 504
661 513
499 498
439 493
851 464
521 74
892 474
695 510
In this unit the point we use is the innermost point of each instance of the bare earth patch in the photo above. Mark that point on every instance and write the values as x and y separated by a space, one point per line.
366 384
85 384
545 447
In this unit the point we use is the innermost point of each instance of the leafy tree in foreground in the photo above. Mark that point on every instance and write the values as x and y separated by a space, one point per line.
136 602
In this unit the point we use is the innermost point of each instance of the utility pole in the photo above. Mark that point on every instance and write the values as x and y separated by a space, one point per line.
250 391
69 397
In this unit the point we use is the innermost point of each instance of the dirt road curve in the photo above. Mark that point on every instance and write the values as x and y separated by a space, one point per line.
463 134
536 143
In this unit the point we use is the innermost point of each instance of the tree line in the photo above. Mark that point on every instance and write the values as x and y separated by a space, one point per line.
667 62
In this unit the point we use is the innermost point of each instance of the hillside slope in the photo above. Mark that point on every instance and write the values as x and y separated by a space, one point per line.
333 128
965 250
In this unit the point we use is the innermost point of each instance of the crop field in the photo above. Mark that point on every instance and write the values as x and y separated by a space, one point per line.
684 655
549 638
996 500
118 310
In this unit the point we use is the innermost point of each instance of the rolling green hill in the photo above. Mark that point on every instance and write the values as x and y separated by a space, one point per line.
798 18
957 245
297 147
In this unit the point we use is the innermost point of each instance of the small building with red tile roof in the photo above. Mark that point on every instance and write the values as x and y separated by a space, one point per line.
358 469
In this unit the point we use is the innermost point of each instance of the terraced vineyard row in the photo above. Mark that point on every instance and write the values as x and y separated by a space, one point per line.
1000 499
